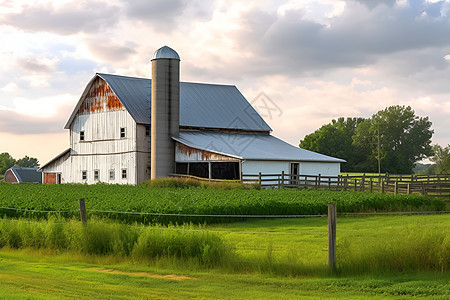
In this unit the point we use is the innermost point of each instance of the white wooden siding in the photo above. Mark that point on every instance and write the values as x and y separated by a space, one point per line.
102 133
71 168
316 168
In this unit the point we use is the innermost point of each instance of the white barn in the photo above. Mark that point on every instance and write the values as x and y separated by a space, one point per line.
127 130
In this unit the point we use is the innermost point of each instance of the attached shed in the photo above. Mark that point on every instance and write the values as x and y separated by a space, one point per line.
19 174
214 154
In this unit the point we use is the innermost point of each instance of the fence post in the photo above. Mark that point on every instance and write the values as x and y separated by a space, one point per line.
363 183
395 187
332 236
356 184
408 189
259 178
382 186
345 183
371 186
319 181
282 178
83 211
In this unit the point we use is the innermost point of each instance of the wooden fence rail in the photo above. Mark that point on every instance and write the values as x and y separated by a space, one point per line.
432 185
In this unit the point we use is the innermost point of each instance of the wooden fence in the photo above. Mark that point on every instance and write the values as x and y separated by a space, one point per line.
429 185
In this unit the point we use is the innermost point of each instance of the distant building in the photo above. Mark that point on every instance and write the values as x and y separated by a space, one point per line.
126 130
19 174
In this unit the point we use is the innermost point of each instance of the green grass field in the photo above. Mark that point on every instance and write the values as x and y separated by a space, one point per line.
284 258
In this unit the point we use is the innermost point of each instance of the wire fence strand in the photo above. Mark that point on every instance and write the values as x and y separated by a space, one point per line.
247 216
39 211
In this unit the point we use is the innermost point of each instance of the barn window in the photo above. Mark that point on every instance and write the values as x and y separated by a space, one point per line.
124 173
181 168
83 175
122 132
112 174
147 130
81 135
225 170
199 169
96 174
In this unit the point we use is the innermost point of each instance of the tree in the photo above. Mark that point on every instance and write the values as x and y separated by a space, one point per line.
397 136
335 139
6 162
442 159
29 162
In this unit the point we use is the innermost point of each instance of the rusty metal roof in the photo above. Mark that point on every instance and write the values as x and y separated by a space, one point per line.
250 146
201 105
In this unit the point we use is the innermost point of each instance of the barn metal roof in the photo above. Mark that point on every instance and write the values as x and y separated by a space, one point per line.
201 105
250 146
165 52
27 174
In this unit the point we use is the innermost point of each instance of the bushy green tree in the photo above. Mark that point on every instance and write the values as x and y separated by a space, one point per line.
29 162
6 162
442 159
335 139
401 137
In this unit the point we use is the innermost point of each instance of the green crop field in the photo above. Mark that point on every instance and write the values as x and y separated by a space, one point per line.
272 259
147 199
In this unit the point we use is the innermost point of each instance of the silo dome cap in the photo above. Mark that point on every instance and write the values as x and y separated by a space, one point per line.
165 52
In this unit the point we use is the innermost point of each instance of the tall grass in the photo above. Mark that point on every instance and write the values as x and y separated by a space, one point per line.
106 238
413 249
186 182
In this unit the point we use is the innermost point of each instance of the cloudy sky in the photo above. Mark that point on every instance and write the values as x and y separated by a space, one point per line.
314 60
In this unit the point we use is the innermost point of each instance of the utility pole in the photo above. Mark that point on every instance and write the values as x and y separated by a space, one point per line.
379 163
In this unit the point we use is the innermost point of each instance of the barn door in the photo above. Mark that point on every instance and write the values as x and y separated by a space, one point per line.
294 173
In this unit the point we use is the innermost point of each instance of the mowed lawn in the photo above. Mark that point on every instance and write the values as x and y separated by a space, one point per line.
299 242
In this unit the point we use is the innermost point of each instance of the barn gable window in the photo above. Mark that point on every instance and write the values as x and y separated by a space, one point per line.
83 175
96 174
147 130
81 135
124 173
122 132
112 174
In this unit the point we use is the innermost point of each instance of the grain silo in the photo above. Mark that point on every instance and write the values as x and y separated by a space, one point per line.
165 110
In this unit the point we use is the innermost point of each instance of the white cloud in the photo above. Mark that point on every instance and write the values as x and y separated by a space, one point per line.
10 88
43 107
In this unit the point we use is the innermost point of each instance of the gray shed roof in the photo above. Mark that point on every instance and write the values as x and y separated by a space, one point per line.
250 146
201 105
27 174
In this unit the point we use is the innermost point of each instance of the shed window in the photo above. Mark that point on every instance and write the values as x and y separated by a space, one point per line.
96 174
81 135
147 130
112 174
122 132
124 173
84 175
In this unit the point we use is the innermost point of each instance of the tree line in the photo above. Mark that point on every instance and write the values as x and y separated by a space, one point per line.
7 161
391 141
